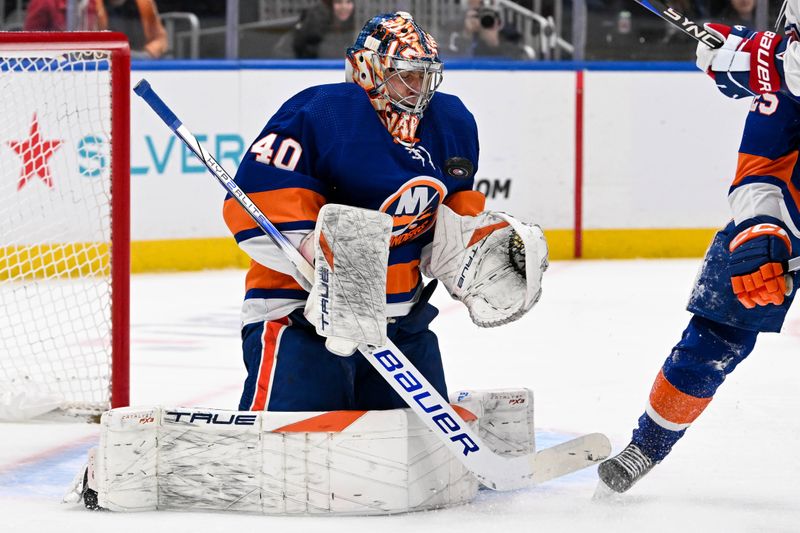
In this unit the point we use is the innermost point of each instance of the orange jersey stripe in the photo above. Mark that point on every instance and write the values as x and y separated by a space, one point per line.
466 203
754 165
261 277
330 422
673 405
781 168
402 277
282 205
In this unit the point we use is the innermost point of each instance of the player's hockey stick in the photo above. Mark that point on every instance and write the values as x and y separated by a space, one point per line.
680 21
494 471
695 31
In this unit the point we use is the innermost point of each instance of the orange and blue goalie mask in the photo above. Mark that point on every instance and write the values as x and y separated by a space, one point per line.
398 65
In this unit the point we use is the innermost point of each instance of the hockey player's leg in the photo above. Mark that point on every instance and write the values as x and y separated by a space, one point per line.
411 334
697 366
289 369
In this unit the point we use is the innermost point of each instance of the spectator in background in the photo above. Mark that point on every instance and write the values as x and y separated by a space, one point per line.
741 12
481 33
460 34
492 41
139 20
51 15
325 31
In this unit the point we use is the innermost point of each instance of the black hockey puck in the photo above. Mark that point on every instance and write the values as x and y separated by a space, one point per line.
459 167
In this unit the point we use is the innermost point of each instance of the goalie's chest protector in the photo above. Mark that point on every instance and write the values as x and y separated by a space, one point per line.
362 166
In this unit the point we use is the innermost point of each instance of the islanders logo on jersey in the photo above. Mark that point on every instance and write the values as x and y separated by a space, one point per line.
413 208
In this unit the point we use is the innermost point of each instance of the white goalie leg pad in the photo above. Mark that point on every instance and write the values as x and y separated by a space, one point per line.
347 303
505 418
340 463
492 262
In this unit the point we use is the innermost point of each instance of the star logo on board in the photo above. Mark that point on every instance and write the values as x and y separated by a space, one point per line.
34 153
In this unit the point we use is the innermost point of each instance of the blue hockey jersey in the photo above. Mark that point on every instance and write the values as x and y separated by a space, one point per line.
327 145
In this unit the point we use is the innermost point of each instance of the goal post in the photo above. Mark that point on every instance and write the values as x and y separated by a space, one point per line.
64 222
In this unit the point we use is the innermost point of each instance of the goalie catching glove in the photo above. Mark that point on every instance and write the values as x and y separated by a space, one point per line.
492 262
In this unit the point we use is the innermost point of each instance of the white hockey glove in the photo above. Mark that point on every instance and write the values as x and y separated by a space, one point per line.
492 262
347 303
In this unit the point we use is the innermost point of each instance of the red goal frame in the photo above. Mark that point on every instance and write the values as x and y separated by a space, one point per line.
117 44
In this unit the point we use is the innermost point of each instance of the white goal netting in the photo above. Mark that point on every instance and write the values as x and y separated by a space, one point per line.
55 232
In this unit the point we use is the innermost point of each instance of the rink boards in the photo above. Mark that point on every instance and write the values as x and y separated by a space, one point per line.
613 160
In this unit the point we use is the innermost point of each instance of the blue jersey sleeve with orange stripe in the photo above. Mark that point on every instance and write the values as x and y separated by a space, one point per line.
277 173
767 181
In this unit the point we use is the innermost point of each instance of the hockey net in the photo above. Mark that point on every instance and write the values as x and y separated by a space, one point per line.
64 230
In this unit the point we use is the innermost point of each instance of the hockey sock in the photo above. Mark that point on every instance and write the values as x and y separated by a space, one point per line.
707 352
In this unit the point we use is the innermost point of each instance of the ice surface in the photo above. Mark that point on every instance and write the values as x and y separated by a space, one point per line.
589 350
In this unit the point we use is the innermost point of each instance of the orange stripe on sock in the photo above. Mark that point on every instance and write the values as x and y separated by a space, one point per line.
673 405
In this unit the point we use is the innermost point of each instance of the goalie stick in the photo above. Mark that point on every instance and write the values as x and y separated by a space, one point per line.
494 471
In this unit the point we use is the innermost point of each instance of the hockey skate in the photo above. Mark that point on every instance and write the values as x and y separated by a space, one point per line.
83 489
623 470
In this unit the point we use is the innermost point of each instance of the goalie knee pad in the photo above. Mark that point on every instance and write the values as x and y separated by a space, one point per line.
492 262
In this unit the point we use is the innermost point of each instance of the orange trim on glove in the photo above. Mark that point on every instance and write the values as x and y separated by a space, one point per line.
760 230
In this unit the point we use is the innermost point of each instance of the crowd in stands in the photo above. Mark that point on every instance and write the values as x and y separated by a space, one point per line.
622 29
616 29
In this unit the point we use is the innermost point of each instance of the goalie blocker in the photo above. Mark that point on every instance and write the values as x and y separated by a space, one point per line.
280 463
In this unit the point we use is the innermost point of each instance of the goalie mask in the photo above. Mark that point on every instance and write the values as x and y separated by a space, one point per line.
398 65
